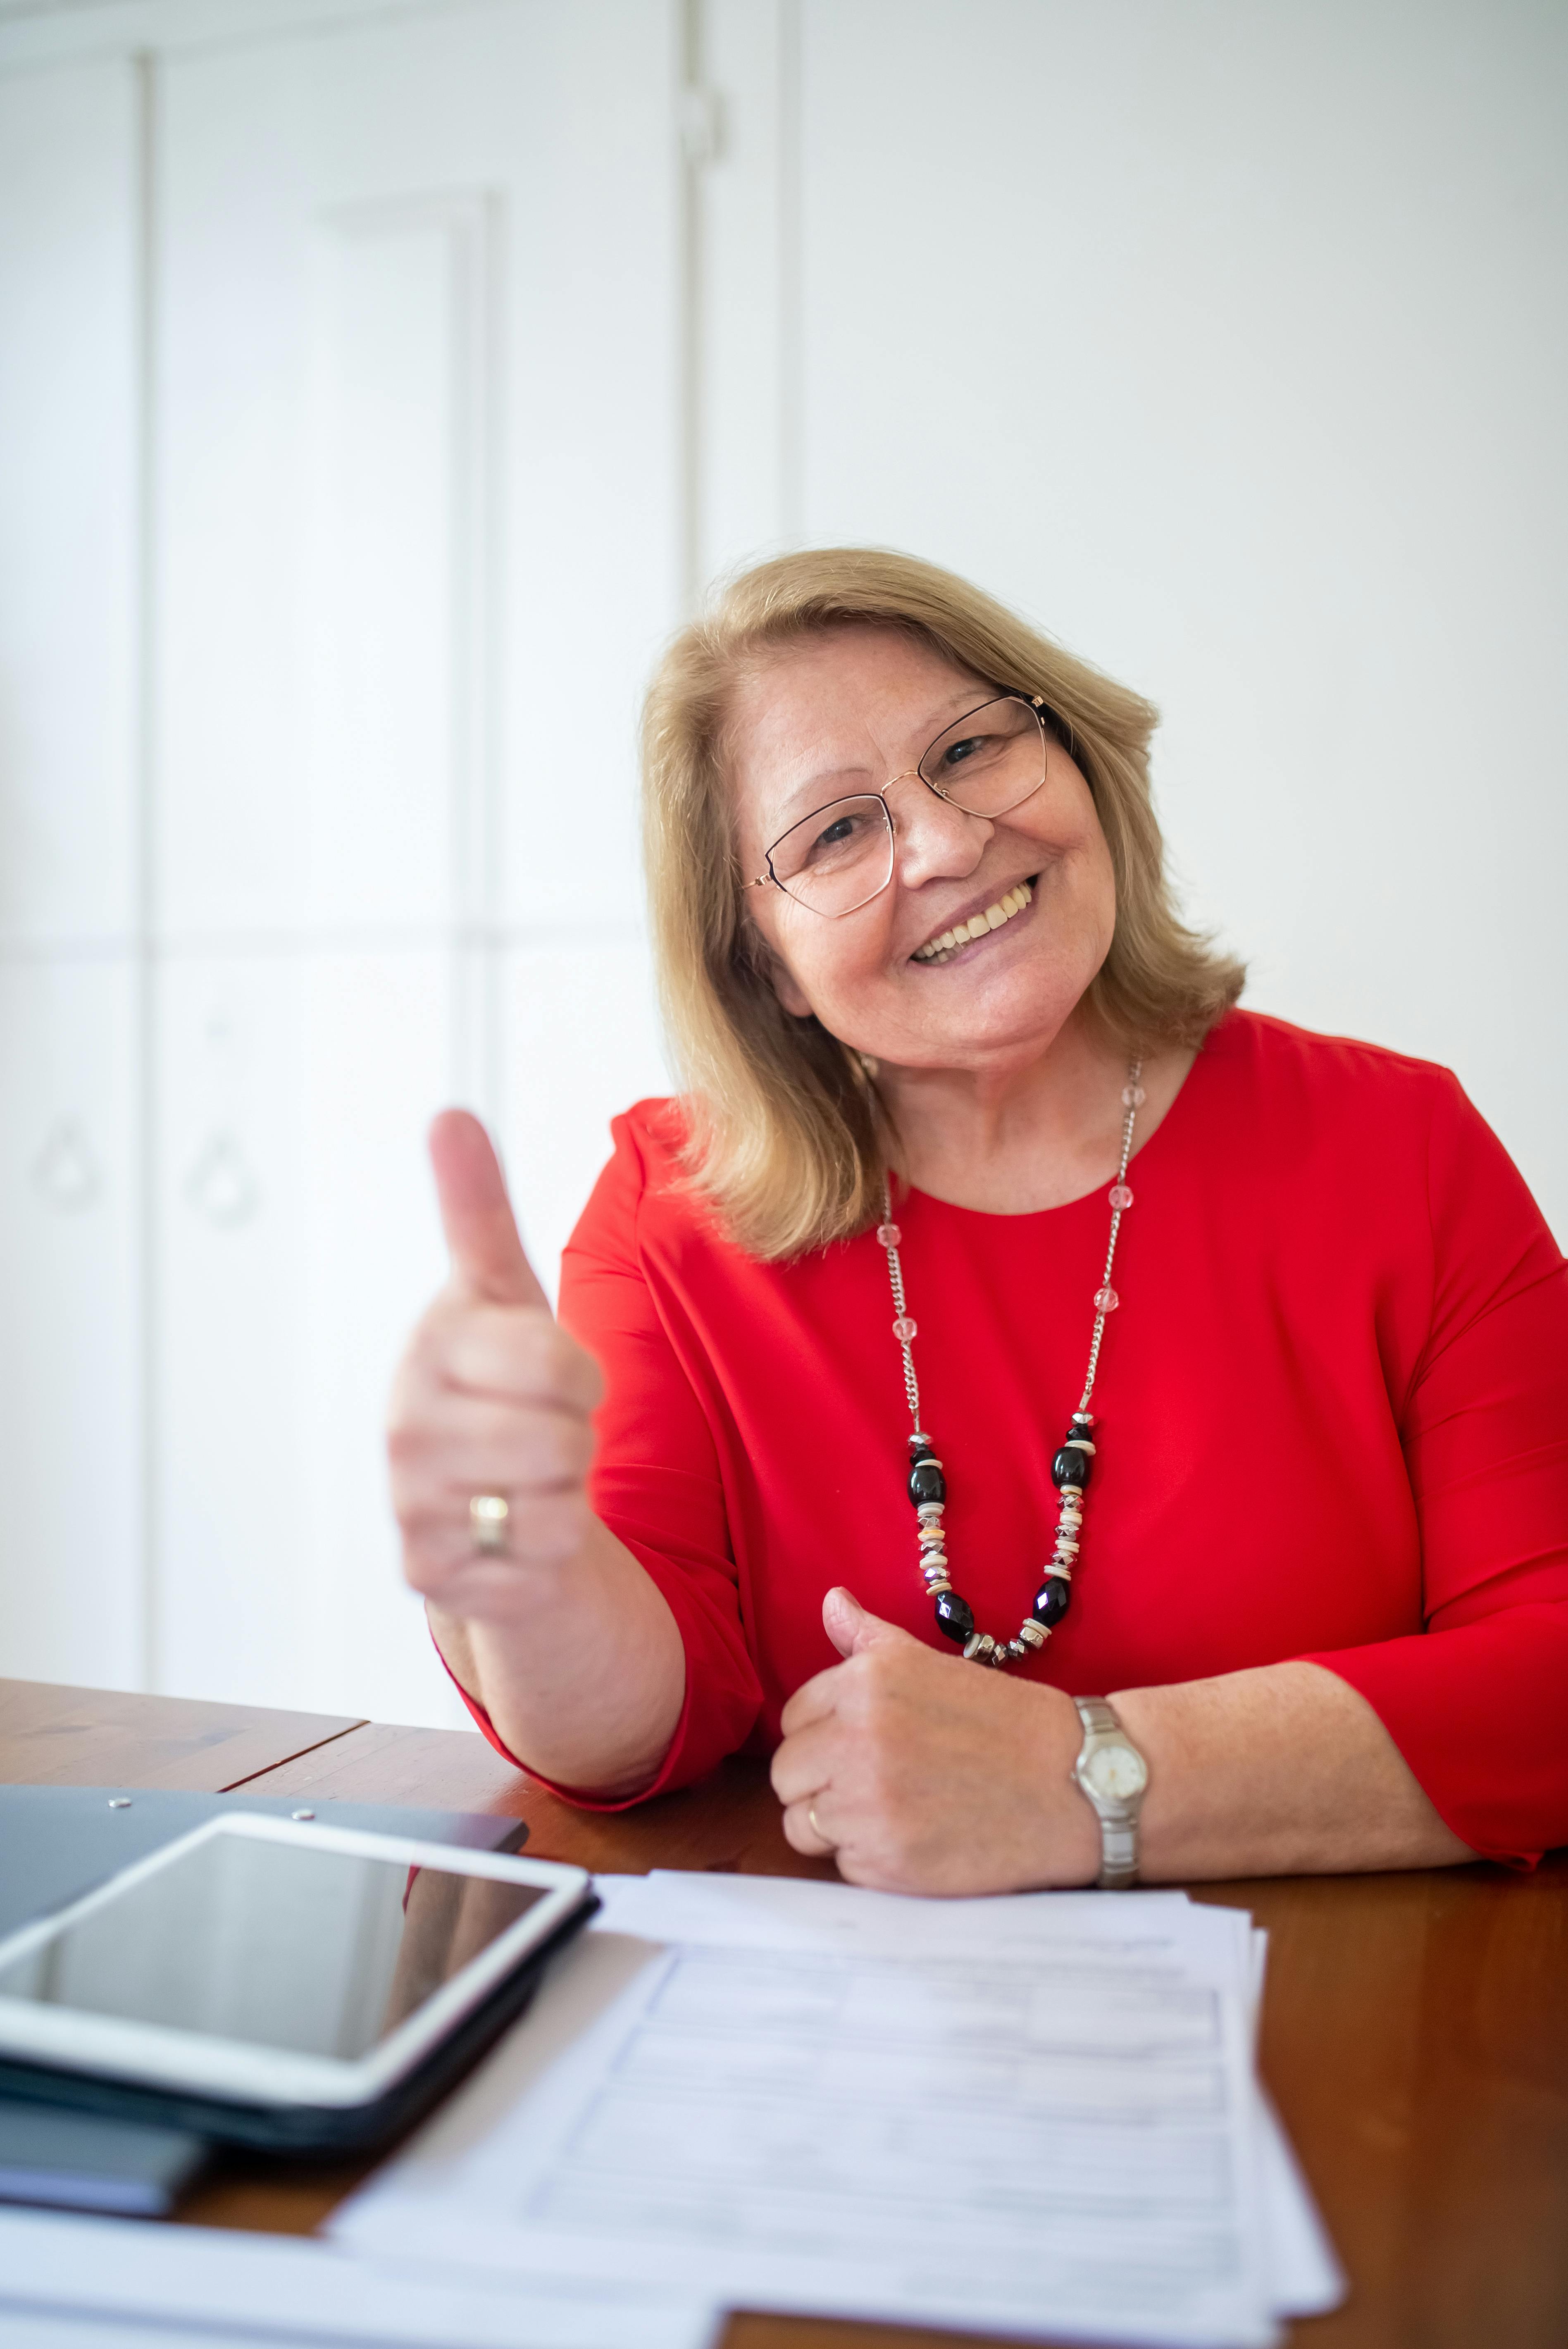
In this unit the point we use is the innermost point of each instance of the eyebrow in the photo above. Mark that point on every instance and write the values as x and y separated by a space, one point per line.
781 821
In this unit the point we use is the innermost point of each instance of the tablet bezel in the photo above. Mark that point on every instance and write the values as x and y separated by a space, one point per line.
159 2057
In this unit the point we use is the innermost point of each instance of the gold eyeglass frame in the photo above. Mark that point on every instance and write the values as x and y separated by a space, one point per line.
1033 702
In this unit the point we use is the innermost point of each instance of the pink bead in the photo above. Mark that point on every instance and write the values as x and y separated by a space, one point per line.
904 1328
1106 1300
1134 1096
889 1235
1120 1196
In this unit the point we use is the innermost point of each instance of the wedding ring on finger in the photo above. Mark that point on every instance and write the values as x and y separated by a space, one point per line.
816 1830
487 1515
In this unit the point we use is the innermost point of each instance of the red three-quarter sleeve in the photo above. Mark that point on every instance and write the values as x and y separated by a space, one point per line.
1478 1702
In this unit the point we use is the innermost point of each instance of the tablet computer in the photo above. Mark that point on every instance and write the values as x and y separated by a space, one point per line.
279 1984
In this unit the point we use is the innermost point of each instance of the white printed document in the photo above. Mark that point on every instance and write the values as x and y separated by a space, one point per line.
1030 2115
69 2282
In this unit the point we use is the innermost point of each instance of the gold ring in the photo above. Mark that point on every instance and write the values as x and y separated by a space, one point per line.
487 1515
816 1830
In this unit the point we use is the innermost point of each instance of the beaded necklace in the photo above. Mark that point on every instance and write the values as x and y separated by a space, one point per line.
1071 1470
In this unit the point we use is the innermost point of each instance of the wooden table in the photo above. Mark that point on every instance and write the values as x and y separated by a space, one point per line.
1415 2032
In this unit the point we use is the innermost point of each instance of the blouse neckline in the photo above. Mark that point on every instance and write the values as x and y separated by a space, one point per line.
1179 1114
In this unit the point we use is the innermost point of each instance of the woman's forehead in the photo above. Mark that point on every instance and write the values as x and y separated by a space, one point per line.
849 700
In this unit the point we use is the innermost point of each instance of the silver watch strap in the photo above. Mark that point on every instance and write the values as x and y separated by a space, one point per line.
1118 1826
1098 1717
1118 1854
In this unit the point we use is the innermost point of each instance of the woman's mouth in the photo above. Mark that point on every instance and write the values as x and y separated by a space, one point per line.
951 942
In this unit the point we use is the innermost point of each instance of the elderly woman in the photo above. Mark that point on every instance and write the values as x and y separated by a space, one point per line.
1083 1430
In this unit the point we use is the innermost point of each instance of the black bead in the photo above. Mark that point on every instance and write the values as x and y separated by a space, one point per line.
1052 1600
1071 1467
927 1483
919 1449
954 1617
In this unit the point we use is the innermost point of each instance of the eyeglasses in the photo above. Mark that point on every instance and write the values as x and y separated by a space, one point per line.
840 857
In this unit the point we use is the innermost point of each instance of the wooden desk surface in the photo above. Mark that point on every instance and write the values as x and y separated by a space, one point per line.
1415 2032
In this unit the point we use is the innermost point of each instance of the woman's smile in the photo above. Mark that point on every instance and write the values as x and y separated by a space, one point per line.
963 938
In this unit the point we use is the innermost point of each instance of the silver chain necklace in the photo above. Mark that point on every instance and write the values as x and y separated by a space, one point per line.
1071 1470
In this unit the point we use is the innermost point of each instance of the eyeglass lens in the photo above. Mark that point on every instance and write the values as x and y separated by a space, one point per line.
841 856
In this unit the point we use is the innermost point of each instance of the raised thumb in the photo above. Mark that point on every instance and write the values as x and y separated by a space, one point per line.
486 1255
849 1626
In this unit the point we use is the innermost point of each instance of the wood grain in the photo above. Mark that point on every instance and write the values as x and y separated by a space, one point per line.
1414 2036
56 1736
730 1823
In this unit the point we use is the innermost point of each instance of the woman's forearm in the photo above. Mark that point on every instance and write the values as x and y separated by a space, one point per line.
923 1776
583 1676
1280 1771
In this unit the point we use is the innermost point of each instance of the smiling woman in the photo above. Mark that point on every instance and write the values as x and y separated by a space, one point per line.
994 1264
769 722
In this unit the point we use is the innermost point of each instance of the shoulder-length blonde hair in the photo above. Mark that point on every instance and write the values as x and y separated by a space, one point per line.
786 1136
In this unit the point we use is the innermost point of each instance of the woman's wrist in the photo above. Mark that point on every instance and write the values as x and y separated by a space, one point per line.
1069 1840
1279 1769
582 1673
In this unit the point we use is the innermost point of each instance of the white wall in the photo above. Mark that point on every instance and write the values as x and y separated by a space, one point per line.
377 384
1228 342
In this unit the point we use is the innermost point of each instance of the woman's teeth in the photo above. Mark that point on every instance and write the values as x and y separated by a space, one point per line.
939 949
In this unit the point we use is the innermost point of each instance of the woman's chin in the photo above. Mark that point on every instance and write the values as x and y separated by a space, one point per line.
977 1028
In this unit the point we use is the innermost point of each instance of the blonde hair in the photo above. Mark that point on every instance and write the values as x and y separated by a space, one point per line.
785 1136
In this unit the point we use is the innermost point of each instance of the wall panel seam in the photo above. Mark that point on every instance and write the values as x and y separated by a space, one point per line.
145 1093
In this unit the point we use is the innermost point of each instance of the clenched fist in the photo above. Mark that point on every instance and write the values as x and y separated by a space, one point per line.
492 1397
920 1774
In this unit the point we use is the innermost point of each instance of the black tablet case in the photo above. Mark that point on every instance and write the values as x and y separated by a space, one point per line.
77 2161
56 1842
88 2144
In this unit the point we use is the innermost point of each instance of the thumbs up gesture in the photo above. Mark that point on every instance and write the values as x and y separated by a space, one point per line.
491 1402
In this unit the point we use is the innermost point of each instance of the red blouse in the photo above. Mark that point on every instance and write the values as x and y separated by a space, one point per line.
1332 1419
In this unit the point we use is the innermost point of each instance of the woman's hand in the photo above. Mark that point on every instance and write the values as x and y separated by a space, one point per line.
492 1396
928 1775
562 1636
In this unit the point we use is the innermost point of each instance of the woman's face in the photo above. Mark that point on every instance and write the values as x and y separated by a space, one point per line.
840 713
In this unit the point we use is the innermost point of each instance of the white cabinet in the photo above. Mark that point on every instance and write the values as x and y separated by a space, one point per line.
71 1436
296 1242
68 491
71 1492
402 291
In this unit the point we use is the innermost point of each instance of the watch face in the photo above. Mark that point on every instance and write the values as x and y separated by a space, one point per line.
1115 1773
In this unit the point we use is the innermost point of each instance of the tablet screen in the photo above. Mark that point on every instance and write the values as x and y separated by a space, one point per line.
319 1951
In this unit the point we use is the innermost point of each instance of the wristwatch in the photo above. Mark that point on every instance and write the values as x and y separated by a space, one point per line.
1114 1775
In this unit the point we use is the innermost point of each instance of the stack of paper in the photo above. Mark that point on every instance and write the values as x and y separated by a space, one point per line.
116 2283
1034 2115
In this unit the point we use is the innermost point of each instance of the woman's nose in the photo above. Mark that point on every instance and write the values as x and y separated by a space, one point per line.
933 839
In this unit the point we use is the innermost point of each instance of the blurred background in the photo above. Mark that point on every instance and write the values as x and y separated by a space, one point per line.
380 384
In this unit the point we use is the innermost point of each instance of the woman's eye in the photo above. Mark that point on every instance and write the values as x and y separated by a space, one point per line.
836 835
956 753
840 836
